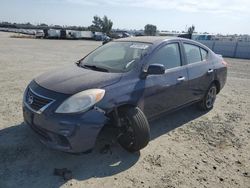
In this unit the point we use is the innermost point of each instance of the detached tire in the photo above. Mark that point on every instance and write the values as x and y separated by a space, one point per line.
207 102
134 132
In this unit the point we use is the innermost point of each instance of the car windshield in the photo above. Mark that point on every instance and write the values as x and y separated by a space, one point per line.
115 56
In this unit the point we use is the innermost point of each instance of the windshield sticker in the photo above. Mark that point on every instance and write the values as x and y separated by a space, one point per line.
139 46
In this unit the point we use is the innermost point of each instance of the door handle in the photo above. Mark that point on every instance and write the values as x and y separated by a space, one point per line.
210 71
180 79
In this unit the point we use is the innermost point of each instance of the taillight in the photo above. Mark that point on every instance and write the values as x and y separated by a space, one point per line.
224 62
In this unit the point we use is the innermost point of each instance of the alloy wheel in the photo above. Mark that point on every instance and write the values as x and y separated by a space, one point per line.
211 96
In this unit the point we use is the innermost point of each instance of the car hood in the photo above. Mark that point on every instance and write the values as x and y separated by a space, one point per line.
74 79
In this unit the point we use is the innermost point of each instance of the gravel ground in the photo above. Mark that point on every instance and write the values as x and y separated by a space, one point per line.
188 148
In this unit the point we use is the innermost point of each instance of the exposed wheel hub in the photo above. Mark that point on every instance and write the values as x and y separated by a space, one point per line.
126 133
211 96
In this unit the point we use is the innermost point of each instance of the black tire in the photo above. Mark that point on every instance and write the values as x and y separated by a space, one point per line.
134 133
208 100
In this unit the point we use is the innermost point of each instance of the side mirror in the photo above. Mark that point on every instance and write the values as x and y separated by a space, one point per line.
155 69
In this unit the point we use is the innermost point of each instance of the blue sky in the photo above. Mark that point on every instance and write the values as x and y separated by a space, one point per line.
214 16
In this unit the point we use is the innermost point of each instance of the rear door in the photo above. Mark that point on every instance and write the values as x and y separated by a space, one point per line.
200 70
167 91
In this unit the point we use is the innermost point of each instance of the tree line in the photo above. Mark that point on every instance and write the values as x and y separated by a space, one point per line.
98 25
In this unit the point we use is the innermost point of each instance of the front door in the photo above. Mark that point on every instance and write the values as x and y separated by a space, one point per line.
167 91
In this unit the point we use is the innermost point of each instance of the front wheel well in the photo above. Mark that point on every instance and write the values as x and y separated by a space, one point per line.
119 107
114 113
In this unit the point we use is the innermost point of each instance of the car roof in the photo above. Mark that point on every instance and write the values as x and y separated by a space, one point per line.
147 39
155 40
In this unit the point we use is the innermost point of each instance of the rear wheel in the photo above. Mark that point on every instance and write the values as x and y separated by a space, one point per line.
134 133
207 102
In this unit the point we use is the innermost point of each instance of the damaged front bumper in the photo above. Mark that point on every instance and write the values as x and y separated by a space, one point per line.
69 133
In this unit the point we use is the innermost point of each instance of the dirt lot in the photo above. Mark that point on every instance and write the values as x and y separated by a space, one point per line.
188 148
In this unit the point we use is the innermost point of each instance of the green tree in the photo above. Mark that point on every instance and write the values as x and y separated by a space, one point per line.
104 25
96 24
150 30
191 30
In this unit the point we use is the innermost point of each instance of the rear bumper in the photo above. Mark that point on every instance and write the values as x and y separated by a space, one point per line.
69 133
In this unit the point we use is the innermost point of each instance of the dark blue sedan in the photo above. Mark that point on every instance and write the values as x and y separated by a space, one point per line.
124 83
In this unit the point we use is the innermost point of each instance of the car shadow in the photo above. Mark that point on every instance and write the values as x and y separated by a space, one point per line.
25 162
170 121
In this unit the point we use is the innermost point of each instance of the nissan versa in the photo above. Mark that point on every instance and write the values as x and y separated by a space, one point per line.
124 83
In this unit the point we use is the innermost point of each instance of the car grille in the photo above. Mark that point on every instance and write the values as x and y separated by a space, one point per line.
37 102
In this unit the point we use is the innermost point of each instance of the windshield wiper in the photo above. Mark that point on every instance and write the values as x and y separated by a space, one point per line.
78 63
94 67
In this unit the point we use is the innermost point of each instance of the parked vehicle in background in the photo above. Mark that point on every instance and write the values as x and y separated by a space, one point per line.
98 36
124 83
69 34
87 34
27 31
39 34
203 37
119 34
106 39
54 33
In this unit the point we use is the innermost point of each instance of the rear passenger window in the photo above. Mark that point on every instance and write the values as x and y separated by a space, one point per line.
192 53
169 56
204 54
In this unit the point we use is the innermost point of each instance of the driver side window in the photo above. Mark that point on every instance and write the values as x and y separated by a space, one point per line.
168 55
111 54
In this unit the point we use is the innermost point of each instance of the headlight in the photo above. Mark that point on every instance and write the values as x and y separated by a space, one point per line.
81 101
